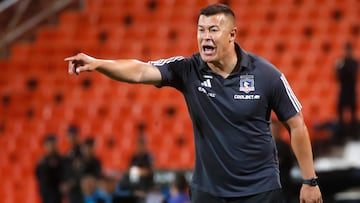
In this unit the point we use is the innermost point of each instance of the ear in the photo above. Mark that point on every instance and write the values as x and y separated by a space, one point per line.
233 34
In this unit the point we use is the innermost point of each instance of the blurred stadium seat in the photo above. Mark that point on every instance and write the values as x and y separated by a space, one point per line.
302 38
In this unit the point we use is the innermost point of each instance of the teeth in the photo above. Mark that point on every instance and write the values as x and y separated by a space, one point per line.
208 48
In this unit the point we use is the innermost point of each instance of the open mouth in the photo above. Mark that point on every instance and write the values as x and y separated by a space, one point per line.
208 49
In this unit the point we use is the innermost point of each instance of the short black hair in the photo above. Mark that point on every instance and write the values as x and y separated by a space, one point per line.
50 138
89 142
180 182
73 130
214 9
348 46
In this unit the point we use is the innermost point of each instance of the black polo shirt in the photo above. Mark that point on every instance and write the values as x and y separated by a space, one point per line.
235 152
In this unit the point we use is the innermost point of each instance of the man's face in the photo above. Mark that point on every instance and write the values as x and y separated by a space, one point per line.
88 185
87 150
73 140
50 147
215 35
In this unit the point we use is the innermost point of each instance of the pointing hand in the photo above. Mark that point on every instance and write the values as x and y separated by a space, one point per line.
80 63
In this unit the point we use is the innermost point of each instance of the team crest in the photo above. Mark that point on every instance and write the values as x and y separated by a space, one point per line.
247 83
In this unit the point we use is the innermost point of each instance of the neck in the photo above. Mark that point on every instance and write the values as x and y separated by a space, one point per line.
225 66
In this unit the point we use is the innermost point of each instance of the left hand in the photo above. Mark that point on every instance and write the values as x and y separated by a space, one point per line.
310 194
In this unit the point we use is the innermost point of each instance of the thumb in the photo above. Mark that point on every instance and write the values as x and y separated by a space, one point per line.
86 67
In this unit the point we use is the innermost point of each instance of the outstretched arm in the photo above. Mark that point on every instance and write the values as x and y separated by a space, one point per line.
131 71
301 146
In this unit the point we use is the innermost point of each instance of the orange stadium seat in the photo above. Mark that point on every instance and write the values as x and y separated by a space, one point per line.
20 51
70 18
302 38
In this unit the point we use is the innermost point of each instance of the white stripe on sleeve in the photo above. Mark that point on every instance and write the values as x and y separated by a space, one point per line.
295 102
162 62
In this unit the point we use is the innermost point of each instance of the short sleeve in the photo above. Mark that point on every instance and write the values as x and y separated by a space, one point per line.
283 100
172 71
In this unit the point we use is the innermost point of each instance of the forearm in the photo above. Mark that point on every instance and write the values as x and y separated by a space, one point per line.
131 71
122 70
301 146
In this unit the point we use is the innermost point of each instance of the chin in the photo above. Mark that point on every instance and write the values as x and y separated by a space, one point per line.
208 59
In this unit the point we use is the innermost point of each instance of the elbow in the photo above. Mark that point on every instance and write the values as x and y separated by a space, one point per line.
135 80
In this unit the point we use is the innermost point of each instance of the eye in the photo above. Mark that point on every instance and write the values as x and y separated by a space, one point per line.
214 30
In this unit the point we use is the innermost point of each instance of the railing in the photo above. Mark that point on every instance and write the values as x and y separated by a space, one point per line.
19 17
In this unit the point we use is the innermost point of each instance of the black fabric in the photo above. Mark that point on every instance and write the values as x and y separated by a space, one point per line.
49 173
273 196
235 152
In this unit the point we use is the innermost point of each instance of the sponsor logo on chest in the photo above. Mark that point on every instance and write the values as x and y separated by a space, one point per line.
247 85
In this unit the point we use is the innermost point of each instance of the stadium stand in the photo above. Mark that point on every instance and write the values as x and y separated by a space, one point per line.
302 38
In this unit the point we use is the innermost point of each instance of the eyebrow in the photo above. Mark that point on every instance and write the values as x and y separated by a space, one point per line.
211 26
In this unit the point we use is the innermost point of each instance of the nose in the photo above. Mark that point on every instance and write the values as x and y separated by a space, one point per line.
207 35
204 34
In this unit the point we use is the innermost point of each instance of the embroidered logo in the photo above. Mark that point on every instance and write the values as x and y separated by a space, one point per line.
206 83
247 83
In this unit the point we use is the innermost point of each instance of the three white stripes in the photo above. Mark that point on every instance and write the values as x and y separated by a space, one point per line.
291 94
161 62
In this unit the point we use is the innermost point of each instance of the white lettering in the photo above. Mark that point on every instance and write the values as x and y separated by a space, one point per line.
246 96
201 89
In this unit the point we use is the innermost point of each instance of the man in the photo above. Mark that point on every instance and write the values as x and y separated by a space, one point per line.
91 163
346 70
49 172
139 179
230 94
73 139
89 189
73 166
178 189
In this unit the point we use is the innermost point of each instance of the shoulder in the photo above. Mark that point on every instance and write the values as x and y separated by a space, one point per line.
264 67
195 59
162 62
41 162
339 63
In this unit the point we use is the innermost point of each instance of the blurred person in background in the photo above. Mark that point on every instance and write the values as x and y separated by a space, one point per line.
179 190
141 167
73 139
73 173
230 94
89 189
139 178
49 172
108 189
91 163
73 166
85 163
110 192
347 73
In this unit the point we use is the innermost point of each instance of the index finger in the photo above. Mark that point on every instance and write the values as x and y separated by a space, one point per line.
71 58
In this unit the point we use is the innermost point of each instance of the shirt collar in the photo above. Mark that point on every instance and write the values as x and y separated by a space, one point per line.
242 63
